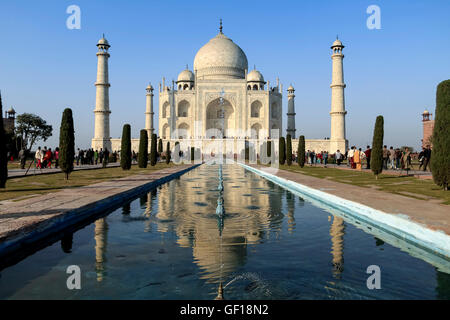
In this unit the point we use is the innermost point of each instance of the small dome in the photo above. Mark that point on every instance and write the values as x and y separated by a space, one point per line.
103 42
291 88
149 88
11 111
337 42
255 76
426 112
186 76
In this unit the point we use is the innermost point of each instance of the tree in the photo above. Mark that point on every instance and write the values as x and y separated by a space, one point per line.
3 153
143 149
160 146
153 155
192 154
66 143
168 152
125 152
289 150
376 159
301 151
31 128
282 150
440 154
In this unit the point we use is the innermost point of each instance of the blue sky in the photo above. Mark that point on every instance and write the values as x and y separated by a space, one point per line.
45 67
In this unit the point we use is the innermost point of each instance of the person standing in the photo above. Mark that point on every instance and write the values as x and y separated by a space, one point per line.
385 157
105 158
56 157
38 157
338 157
427 157
398 158
357 159
368 153
392 157
325 158
421 158
22 158
406 159
350 156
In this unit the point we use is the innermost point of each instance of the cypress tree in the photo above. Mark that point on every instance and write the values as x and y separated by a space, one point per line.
66 143
125 152
289 150
3 152
192 154
143 149
269 148
160 146
282 151
301 151
168 152
153 152
376 159
440 153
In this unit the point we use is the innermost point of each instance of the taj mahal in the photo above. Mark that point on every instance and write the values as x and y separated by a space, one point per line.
221 100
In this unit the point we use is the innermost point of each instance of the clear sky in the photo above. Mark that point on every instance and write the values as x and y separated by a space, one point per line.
394 71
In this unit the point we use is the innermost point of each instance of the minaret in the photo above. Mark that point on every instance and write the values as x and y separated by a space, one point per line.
338 112
149 111
102 138
291 112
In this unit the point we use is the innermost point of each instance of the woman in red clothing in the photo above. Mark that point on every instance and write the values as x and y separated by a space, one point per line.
48 158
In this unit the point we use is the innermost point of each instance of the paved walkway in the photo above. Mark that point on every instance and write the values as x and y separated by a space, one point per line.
17 173
434 215
34 214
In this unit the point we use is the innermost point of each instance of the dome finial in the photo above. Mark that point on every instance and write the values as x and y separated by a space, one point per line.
220 28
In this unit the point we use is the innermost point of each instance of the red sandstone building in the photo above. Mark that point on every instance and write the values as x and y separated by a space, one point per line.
428 125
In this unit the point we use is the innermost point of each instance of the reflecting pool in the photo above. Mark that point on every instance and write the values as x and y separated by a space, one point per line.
270 244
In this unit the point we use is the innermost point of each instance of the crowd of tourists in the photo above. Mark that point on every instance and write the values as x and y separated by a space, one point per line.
393 159
44 158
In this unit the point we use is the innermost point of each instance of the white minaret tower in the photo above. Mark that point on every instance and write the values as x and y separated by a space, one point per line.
337 138
149 111
291 112
102 138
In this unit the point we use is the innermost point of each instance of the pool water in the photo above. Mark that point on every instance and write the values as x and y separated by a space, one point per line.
271 244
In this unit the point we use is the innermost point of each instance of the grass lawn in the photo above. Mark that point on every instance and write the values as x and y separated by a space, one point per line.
46 183
403 185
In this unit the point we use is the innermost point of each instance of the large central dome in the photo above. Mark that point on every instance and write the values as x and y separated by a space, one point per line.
220 58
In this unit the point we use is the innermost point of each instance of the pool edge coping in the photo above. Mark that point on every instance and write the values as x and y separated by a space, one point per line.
56 224
401 226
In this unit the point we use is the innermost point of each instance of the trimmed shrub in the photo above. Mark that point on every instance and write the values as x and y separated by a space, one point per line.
440 153
289 150
168 152
153 152
282 150
301 151
160 146
3 152
376 159
66 143
125 151
143 149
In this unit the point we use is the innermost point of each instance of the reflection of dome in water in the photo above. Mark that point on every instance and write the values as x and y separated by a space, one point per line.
209 255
